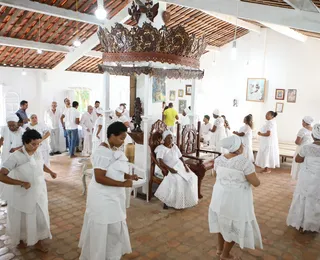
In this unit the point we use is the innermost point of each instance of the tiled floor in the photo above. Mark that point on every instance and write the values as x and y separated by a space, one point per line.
169 234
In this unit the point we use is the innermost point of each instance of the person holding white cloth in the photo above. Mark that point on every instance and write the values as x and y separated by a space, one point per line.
87 123
186 119
304 137
25 190
231 211
104 234
304 213
218 132
179 189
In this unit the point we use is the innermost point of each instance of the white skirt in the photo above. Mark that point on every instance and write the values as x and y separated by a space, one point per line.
295 167
29 228
267 157
104 241
232 215
178 193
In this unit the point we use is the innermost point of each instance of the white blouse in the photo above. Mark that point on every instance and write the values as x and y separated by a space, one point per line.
239 163
170 156
305 135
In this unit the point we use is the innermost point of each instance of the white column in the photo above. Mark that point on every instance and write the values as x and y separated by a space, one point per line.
106 91
40 109
193 103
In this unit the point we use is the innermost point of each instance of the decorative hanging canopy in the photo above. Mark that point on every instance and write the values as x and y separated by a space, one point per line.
151 51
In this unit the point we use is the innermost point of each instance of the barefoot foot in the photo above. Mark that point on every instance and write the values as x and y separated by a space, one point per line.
22 245
40 247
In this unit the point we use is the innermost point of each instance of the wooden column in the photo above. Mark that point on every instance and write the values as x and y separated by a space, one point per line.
133 93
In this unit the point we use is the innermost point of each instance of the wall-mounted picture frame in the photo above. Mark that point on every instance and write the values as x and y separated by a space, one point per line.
256 89
280 94
180 93
188 90
158 90
172 95
292 96
279 107
182 105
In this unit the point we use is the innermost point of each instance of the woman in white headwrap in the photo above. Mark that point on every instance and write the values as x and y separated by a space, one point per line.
231 212
179 189
44 148
304 213
304 137
105 234
98 130
268 153
186 120
218 131
11 137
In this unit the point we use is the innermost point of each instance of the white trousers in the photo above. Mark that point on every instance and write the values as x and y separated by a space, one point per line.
87 145
55 140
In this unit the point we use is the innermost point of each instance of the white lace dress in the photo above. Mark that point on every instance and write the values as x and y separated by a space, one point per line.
306 137
305 207
218 135
268 153
231 210
177 190
247 142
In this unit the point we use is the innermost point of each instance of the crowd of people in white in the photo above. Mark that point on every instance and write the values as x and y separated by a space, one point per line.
28 144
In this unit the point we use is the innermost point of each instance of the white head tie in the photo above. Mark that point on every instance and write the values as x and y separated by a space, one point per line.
13 118
231 143
216 112
308 120
316 131
165 134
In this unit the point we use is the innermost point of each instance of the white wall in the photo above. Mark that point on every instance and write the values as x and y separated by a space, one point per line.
41 87
120 91
284 62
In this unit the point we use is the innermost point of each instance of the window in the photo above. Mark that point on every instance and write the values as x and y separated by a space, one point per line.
82 95
12 103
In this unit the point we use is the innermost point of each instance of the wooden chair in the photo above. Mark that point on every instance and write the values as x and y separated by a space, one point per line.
190 149
155 139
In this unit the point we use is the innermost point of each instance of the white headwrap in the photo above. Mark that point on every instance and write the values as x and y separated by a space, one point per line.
119 110
13 118
316 131
308 120
231 143
99 110
216 112
187 111
165 134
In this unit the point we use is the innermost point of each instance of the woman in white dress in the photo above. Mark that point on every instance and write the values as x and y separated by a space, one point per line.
186 117
98 130
205 131
218 131
179 189
226 126
304 137
11 137
231 211
268 153
104 234
44 148
304 213
28 220
245 133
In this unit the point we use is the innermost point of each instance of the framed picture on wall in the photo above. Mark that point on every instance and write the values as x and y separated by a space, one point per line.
280 94
180 93
172 95
256 89
158 90
292 95
188 90
279 107
182 105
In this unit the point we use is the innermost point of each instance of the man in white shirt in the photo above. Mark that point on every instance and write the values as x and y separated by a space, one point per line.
52 118
87 124
70 120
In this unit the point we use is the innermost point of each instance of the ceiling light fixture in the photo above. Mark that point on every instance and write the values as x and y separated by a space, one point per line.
77 42
24 73
234 43
101 13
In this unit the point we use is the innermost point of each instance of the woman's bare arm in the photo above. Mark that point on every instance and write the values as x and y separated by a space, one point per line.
299 159
268 133
238 134
166 166
298 140
253 179
214 128
7 180
102 179
46 135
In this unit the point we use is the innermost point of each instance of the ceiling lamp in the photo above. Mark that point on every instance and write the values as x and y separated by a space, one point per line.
77 42
101 13
39 51
234 43
24 73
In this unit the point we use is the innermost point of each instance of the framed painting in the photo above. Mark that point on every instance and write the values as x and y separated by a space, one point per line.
182 105
188 90
172 95
180 93
158 90
279 107
256 89
280 94
292 96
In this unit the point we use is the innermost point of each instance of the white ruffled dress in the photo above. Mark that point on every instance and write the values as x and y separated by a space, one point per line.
105 234
247 142
305 207
231 211
218 135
